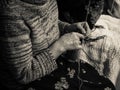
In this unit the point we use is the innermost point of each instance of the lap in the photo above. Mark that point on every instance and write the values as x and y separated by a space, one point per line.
66 77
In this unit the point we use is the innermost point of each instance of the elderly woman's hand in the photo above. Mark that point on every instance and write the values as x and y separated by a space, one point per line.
70 41
80 27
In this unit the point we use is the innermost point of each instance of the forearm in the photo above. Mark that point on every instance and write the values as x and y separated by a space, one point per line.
18 50
18 55
62 27
56 50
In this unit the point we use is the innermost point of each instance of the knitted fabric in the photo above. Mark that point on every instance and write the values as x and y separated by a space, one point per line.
104 53
27 29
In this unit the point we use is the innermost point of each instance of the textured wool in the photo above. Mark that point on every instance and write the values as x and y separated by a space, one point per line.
27 29
104 54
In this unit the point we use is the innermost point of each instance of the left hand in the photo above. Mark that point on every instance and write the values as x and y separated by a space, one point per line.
80 27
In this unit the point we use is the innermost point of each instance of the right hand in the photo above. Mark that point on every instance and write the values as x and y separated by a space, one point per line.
80 27
70 41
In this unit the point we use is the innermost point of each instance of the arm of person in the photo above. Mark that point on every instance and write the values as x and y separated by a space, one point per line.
80 27
62 26
17 53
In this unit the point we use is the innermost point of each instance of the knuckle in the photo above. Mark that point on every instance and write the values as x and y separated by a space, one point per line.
73 33
77 46
75 42
70 42
78 25
83 22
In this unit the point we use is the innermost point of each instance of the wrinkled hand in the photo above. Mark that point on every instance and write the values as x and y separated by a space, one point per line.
80 27
70 41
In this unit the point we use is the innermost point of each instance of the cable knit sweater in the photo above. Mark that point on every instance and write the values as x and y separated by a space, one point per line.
27 29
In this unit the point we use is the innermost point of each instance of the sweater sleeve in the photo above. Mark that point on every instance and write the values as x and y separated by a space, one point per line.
62 27
16 51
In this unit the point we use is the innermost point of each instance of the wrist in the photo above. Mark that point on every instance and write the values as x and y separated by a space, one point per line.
57 49
59 46
63 26
67 28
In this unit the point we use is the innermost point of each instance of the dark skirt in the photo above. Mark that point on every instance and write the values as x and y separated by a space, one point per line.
71 76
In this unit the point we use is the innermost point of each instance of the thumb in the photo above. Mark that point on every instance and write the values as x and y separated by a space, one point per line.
80 28
81 36
86 27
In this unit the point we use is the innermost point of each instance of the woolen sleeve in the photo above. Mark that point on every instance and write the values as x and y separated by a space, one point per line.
17 54
62 27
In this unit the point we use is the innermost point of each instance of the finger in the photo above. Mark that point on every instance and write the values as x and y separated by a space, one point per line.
80 36
77 44
78 47
80 28
86 27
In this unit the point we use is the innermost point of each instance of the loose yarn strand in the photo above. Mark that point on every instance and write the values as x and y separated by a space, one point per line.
112 5
111 9
79 62
88 10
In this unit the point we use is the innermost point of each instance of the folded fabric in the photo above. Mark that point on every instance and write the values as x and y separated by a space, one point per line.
112 7
104 53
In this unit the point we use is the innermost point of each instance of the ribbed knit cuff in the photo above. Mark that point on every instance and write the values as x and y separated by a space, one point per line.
47 62
62 26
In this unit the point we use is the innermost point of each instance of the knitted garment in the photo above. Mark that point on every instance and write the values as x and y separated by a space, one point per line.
27 29
104 53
